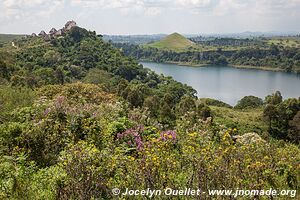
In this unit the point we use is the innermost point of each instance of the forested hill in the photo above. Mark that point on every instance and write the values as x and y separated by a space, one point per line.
79 55
263 54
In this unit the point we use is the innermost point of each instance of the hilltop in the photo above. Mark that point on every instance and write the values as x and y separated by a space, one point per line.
175 42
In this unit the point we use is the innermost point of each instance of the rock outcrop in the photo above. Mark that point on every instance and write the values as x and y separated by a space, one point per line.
53 33
69 25
42 34
58 33
248 138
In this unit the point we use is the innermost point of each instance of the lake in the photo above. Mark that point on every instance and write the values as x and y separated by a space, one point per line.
230 84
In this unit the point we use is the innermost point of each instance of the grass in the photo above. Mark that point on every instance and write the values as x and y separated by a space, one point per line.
174 42
245 121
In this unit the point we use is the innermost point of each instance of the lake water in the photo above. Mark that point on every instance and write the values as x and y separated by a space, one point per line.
230 84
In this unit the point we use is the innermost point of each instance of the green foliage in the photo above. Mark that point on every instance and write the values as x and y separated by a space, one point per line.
282 116
14 97
294 132
185 105
97 76
83 164
274 99
204 111
214 102
249 102
80 142
246 121
152 103
15 177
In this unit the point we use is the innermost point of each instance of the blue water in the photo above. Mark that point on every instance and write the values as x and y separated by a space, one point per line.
230 84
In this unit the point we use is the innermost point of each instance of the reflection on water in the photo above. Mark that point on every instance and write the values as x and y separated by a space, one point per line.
230 84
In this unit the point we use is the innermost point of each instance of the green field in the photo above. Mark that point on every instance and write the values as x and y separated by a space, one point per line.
285 41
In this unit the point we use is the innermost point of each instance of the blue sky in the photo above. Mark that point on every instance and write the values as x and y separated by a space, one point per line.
151 16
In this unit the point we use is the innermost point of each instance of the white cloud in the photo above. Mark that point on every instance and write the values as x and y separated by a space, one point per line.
22 9
127 7
214 7
247 13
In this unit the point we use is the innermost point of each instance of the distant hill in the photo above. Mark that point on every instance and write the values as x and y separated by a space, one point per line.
133 39
175 42
9 37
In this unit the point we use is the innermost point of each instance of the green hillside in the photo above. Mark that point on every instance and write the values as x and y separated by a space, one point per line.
175 42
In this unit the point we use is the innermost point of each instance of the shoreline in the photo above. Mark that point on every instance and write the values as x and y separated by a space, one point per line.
187 64
258 68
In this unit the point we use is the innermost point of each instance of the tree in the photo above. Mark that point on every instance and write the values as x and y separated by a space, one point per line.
60 76
294 132
249 102
135 97
152 103
166 113
274 99
121 87
51 57
270 113
98 76
186 104
77 34
166 109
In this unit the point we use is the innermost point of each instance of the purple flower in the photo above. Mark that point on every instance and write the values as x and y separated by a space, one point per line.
132 137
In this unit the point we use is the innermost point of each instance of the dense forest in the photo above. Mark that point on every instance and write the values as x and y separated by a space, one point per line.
78 118
223 52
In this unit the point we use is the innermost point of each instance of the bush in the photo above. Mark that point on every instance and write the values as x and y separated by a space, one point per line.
214 102
249 102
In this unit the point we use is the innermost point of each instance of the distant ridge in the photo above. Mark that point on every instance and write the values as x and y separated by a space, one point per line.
174 42
9 37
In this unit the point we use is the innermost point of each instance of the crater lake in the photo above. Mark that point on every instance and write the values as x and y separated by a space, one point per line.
230 84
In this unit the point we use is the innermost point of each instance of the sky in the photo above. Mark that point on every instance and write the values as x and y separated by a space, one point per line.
151 16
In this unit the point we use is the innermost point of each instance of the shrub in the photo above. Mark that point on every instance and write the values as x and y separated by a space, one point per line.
249 102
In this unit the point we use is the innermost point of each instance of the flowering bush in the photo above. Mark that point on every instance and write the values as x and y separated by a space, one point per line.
132 137
168 135
61 150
